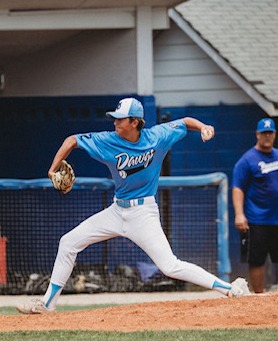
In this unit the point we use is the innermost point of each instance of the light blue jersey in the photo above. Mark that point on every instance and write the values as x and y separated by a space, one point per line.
135 166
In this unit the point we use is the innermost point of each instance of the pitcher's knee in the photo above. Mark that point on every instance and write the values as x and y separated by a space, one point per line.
65 244
171 268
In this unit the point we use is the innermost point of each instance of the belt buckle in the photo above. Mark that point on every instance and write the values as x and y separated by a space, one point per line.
141 201
123 203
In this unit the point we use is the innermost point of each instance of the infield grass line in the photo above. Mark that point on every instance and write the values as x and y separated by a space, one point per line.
181 335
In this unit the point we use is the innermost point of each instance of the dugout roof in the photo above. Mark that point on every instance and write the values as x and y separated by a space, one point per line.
79 4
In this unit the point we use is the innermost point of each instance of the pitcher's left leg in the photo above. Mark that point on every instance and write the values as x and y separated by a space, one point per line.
147 233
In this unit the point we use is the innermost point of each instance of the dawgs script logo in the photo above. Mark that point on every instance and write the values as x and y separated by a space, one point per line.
126 161
268 167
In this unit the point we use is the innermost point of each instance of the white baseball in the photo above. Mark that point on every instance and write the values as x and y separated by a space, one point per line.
206 134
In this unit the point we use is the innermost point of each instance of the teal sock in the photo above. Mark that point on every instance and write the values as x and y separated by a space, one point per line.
223 285
54 290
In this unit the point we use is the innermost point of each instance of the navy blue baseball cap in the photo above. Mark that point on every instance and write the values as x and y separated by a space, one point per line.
127 107
266 124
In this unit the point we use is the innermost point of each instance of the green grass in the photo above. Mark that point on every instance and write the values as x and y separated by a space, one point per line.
189 335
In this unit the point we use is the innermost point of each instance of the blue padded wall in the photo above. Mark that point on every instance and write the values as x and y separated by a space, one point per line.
32 130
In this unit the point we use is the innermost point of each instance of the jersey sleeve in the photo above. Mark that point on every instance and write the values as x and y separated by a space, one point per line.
241 174
91 143
171 132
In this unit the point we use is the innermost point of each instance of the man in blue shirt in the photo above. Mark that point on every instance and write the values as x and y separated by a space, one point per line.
255 200
134 157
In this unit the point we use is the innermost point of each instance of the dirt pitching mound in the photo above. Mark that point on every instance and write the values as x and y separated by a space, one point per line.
245 312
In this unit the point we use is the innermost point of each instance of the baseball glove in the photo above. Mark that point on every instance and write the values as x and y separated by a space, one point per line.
64 178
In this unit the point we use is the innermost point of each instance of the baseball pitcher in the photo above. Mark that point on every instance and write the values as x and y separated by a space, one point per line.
134 156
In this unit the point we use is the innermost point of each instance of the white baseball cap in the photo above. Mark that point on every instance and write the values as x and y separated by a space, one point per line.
127 107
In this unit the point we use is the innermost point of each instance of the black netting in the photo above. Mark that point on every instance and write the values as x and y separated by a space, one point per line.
33 221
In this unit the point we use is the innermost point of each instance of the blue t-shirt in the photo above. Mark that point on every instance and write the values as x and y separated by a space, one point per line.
256 174
135 167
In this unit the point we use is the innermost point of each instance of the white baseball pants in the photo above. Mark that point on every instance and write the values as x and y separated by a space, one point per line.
140 224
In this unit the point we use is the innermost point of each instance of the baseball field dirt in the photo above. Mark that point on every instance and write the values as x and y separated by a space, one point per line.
219 313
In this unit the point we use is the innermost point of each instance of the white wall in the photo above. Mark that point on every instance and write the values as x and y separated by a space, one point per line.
98 62
184 75
104 62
